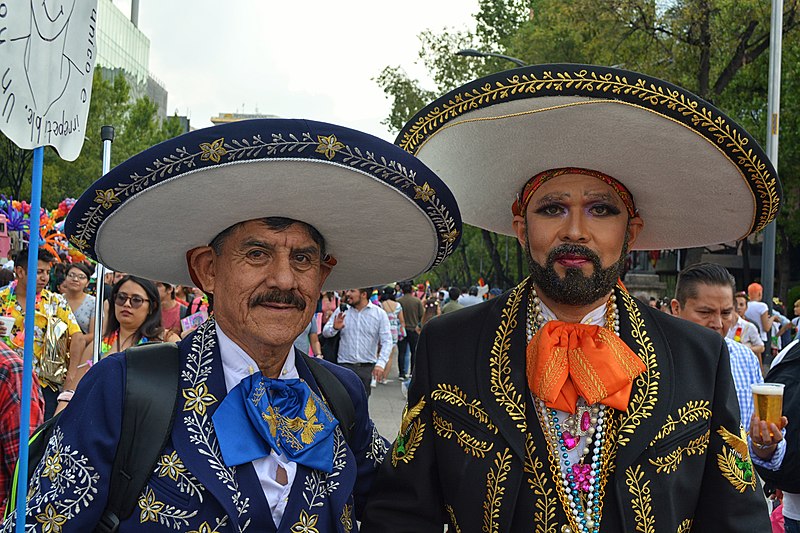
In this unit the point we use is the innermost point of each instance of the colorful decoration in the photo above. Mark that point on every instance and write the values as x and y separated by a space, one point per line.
51 225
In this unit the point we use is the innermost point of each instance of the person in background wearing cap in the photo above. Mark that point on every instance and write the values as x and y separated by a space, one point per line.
254 445
567 405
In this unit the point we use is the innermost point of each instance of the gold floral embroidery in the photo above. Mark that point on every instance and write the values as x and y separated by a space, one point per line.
495 491
52 467
51 521
451 236
306 524
641 502
204 528
410 436
734 461
328 145
453 395
693 411
150 507
545 515
171 466
449 509
670 462
213 151
470 444
106 198
198 398
500 365
587 81
424 192
685 526
644 399
347 517
80 244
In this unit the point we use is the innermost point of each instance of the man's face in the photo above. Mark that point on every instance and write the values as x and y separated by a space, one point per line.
265 282
711 308
42 275
575 232
741 305
354 297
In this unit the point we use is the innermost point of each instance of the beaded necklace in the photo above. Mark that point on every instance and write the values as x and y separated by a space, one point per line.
107 344
580 482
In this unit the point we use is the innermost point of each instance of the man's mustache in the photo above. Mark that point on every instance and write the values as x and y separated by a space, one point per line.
572 249
277 296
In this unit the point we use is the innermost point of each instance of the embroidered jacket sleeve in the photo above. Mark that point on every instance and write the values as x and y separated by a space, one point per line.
405 495
729 481
10 401
69 488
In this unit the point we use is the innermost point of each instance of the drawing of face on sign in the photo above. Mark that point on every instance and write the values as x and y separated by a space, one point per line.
46 67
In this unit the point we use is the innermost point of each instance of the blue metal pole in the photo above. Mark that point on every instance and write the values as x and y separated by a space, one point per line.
30 316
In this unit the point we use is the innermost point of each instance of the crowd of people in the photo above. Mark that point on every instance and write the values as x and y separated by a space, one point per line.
568 404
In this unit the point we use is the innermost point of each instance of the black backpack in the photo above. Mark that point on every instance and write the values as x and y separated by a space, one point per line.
152 382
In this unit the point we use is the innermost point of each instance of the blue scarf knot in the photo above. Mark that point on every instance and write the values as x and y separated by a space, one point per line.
262 414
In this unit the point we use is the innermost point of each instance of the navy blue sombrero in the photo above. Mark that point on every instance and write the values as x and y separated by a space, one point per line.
697 177
384 215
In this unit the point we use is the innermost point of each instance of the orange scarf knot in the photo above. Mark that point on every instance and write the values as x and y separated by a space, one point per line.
567 360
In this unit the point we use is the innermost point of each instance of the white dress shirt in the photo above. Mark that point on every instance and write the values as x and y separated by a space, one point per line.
363 333
237 365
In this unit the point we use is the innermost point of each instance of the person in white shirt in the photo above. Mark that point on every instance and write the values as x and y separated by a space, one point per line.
366 336
745 330
758 312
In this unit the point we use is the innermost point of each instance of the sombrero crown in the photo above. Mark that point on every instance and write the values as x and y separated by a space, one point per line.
384 215
697 177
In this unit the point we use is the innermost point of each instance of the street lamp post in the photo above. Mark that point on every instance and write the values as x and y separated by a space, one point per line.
469 52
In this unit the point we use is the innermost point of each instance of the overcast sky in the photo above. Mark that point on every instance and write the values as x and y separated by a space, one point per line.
296 59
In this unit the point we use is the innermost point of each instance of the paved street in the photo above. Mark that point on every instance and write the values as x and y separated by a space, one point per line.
386 406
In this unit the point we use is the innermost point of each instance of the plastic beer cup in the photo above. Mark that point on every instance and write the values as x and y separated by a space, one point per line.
768 401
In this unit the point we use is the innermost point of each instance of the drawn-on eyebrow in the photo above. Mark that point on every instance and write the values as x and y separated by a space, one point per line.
557 197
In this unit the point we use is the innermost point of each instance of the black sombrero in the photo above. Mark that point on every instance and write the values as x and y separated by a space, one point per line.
696 176
384 215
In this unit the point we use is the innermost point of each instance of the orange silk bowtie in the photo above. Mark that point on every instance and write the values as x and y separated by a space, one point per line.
567 360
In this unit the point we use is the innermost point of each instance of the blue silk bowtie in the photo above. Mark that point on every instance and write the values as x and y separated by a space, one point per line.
262 414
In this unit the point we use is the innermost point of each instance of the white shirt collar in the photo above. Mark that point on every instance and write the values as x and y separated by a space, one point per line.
595 317
237 365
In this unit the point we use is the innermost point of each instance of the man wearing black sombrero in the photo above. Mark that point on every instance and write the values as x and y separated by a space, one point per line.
565 405
254 445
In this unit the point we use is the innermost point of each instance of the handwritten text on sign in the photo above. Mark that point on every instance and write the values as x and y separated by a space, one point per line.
47 55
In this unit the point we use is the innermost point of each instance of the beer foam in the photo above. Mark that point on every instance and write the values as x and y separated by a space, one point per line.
767 389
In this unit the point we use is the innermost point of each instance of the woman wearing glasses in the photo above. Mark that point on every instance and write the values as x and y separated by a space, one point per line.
136 318
74 290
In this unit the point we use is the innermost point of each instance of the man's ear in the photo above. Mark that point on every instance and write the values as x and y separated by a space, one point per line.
635 226
202 267
676 307
520 228
325 269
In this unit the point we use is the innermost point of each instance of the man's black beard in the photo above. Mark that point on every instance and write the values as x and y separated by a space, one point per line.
575 288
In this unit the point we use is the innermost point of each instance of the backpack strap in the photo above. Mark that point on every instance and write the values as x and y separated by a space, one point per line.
334 392
151 395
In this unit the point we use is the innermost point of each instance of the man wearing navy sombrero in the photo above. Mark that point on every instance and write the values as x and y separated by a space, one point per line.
565 405
254 445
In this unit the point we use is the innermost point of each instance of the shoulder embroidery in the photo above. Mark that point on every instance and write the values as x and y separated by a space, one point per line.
495 490
641 502
734 461
410 436
646 385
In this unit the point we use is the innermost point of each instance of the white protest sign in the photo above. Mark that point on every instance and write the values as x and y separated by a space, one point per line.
47 56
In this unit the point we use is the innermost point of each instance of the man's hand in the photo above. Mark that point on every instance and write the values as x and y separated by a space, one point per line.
377 373
765 437
338 322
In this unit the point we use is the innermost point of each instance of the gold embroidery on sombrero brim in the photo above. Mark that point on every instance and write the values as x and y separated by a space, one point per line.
650 93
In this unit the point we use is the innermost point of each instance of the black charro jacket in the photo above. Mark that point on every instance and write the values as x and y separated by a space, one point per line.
471 452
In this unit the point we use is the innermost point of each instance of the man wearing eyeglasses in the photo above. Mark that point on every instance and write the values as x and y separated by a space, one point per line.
52 314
